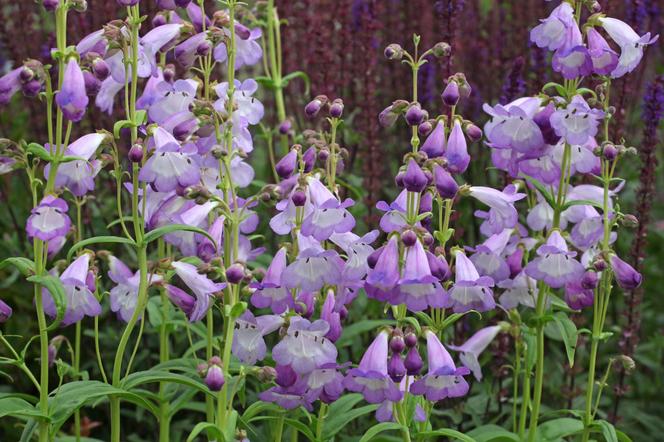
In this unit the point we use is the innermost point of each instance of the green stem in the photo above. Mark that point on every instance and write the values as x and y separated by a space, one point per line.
209 321
279 431
77 367
322 414
539 367
274 50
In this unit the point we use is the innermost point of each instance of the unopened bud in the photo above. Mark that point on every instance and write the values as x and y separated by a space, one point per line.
630 221
394 52
442 49
136 153
337 108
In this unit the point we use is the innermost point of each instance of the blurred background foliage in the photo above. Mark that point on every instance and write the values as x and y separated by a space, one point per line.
339 44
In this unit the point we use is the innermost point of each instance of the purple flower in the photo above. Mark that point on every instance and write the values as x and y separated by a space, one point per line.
488 258
512 126
457 150
248 50
577 122
290 397
202 288
631 44
270 293
473 347
520 290
418 288
626 277
470 291
214 377
170 165
312 269
578 297
444 182
443 379
384 413
572 59
414 180
10 83
502 214
604 59
434 145
357 250
325 383
330 314
125 294
49 220
555 264
370 378
5 311
72 98
246 107
79 285
385 274
551 32
78 175
329 218
305 346
248 343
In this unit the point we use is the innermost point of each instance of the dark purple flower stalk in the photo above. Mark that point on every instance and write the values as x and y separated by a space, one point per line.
514 85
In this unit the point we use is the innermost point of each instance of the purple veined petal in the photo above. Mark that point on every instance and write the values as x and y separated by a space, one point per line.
550 33
170 100
167 170
93 42
385 274
155 40
72 98
305 347
248 343
418 288
631 44
604 59
150 91
577 297
313 269
49 220
105 99
118 270
457 150
555 265
578 122
522 290
331 316
330 217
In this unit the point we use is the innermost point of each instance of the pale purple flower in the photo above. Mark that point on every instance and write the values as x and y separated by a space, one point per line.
443 379
248 343
10 83
385 274
502 214
626 277
512 126
394 218
329 218
384 413
305 346
522 290
551 32
79 286
325 383
470 291
72 98
370 377
357 250
214 378
330 314
124 295
578 297
434 145
418 288
246 106
572 59
49 220
78 175
202 288
488 259
270 293
631 44
248 51
170 165
414 180
5 311
186 52
555 264
577 122
171 100
473 347
106 96
312 269
457 150
604 59
289 398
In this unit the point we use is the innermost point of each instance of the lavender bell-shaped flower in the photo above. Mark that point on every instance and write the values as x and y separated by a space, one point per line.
79 288
414 180
124 295
270 293
78 175
434 145
383 277
305 347
443 379
470 291
214 376
604 59
286 166
202 287
631 44
626 276
248 343
312 269
502 215
551 32
325 383
555 264
418 288
457 150
578 297
49 220
332 317
371 376
10 83
572 59
329 218
72 98
488 259
473 347
577 122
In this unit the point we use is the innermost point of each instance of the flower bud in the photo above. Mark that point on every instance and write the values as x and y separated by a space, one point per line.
286 376
600 264
515 262
285 127
626 276
203 48
427 239
414 115
32 88
424 129
397 343
5 311
373 258
450 95
286 166
393 52
136 153
309 159
413 362
235 273
92 84
214 379
100 69
410 340
299 198
159 20
242 31
337 108
409 238
445 184
609 152
314 106
26 74
589 280
441 49
630 221
266 374
182 3
396 368
414 179
169 73
473 132
51 5
79 5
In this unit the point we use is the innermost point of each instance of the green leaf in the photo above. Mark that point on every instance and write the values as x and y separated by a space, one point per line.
568 334
454 317
448 433
141 117
569 204
39 151
297 74
153 376
57 291
556 429
161 231
212 431
299 426
238 309
379 428
118 126
493 433
70 158
607 430
24 265
622 437
337 422
259 408
98 240
17 407
541 188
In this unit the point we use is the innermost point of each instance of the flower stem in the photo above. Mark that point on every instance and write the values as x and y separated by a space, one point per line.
539 367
